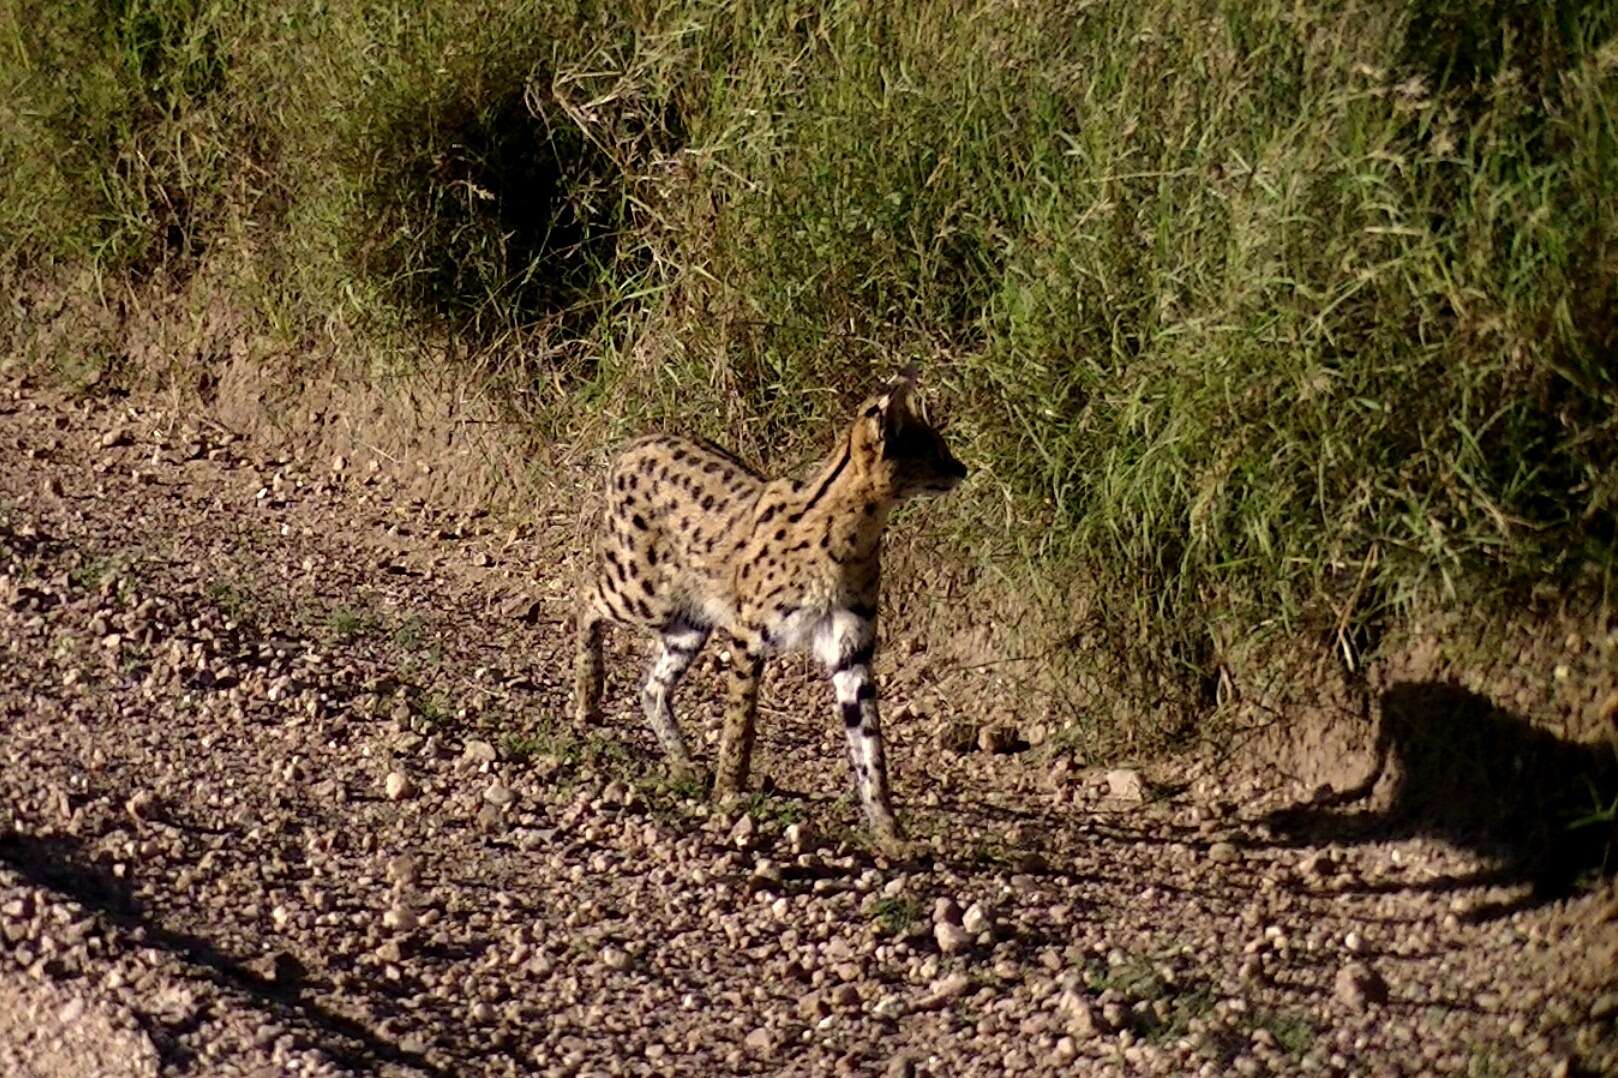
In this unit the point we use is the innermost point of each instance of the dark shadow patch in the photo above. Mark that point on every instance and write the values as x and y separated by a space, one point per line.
1457 767
487 208
61 864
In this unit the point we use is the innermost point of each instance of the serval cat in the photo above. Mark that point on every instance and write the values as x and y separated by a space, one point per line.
694 540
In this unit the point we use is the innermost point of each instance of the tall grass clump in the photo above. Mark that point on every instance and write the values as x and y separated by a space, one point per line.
1255 317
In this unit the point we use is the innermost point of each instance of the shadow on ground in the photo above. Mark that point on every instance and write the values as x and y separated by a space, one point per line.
1451 764
60 864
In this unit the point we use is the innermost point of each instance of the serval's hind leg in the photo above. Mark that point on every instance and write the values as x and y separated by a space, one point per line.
741 711
679 646
588 673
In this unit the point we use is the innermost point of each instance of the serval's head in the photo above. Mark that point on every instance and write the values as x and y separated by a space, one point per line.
899 450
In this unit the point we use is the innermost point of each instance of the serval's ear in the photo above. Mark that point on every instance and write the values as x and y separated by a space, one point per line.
896 403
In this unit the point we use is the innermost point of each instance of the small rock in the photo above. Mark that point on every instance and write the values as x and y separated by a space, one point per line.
143 805
999 738
901 1066
766 875
71 1012
404 869
952 987
616 958
1360 986
499 795
946 910
478 751
1604 1007
490 819
1079 1015
115 438
524 608
399 918
760 1042
951 938
280 968
741 835
1223 853
845 996
397 786
797 837
1126 784
976 921
812 1007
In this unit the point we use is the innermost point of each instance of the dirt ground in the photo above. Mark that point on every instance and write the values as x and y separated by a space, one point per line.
288 788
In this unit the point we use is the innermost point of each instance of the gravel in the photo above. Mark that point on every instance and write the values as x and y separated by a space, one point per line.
311 811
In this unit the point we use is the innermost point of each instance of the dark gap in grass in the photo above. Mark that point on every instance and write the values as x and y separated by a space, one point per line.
488 209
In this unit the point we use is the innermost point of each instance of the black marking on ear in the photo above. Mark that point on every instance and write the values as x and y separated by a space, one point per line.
851 713
863 611
866 691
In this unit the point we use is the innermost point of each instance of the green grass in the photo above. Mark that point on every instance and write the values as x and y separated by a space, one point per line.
1255 319
346 624
896 915
773 809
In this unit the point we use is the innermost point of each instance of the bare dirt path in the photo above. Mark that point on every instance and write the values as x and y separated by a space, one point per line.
286 790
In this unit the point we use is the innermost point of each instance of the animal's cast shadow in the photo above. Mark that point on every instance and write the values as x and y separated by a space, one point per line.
1450 764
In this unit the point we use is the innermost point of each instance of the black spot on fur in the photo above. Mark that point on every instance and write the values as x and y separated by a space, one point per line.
860 656
639 522
707 503
768 514
851 713
866 691
780 534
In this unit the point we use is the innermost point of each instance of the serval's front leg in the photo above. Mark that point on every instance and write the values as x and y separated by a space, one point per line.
741 710
846 648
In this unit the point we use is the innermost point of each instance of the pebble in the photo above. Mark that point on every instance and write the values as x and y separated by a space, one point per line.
1125 784
400 919
397 786
1360 986
1222 853
951 938
953 986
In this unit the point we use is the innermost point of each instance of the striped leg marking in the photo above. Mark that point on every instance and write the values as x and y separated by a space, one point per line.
741 712
846 648
679 647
